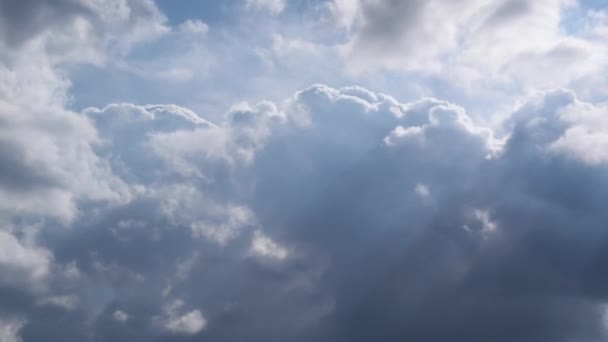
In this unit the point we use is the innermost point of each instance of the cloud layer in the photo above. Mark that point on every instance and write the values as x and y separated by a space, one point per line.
369 217
333 214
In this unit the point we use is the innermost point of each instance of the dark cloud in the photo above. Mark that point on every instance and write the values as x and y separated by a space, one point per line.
507 11
22 20
340 215
505 244
75 31
14 173
384 21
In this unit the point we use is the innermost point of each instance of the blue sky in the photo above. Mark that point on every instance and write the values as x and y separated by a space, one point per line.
247 38
303 170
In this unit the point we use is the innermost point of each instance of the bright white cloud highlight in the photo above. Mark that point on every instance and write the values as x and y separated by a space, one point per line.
176 321
120 316
21 263
9 329
265 247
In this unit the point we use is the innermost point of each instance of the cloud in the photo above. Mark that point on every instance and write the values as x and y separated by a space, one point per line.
194 27
9 329
24 19
66 302
274 6
263 246
344 177
81 31
231 220
423 192
585 138
120 316
47 155
336 214
480 46
22 264
188 323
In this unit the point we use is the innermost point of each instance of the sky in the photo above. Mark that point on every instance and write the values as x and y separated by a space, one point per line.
303 170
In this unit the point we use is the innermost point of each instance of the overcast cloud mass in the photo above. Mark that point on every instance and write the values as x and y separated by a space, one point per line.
304 170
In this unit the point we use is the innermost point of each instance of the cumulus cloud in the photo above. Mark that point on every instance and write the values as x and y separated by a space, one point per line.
187 323
48 154
349 203
264 247
46 173
345 178
337 214
585 137
22 264
82 31
120 316
479 46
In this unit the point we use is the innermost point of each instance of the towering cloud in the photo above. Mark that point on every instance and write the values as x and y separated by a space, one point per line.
335 214
381 219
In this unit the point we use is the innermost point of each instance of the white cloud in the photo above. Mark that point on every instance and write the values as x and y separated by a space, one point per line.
48 150
207 218
22 264
487 225
128 23
67 302
263 246
51 164
559 123
128 133
422 190
283 46
188 324
224 223
9 329
445 122
397 34
177 321
274 6
479 47
194 27
343 12
120 316
586 138
236 141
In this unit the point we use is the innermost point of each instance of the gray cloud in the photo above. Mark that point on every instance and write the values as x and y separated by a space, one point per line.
367 258
338 215
22 20
472 45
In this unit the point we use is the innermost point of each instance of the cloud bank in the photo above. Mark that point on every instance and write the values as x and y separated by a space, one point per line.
333 214
342 213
